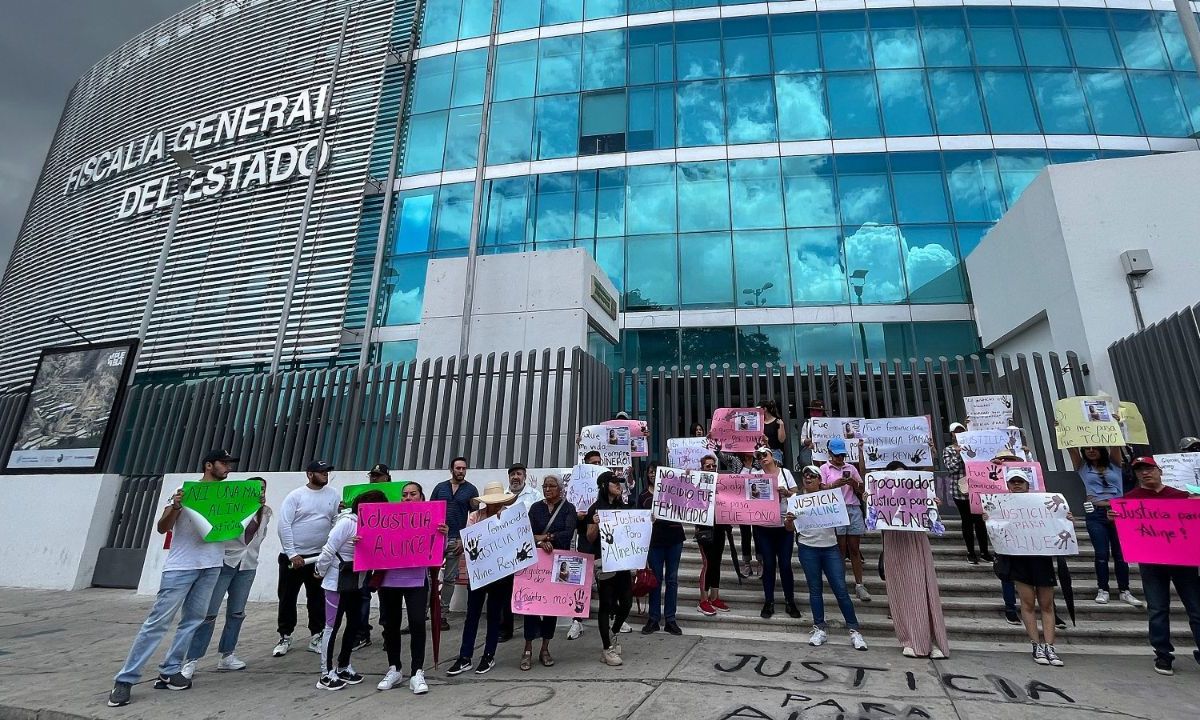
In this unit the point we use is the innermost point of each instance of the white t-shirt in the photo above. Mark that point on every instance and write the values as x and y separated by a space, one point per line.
188 549
337 548
244 555
817 537
785 481
305 519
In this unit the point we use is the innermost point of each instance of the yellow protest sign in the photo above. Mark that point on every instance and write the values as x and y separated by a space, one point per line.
1085 421
1133 425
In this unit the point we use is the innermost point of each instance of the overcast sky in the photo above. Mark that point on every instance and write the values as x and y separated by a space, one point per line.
45 45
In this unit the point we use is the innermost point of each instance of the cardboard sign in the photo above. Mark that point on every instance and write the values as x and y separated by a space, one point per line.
397 535
1086 421
825 429
581 485
558 585
747 500
1179 470
393 490
821 509
498 546
987 444
686 453
989 412
624 539
905 439
990 478
638 436
1159 532
1029 524
611 442
1133 425
737 430
687 496
902 500
222 510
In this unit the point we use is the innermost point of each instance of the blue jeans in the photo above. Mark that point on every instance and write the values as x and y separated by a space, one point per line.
1009 590
236 583
664 558
494 596
828 561
1104 536
1156 584
189 590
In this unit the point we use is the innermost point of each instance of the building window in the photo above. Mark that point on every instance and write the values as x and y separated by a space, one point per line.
602 126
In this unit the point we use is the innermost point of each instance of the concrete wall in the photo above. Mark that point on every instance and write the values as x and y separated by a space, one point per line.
52 528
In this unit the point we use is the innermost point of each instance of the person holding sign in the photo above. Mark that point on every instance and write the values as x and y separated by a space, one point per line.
972 523
1100 470
775 543
189 575
553 521
305 519
773 429
819 556
460 497
379 473
583 545
615 588
712 547
666 548
837 473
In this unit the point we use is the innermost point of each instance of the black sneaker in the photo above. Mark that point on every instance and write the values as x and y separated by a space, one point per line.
445 624
792 610
1059 622
1011 617
972 559
172 682
460 666
1162 666
362 643
328 682
348 676
987 557
767 611
486 663
650 628
673 628
119 697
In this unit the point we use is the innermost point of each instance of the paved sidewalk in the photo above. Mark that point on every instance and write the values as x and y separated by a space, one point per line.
59 651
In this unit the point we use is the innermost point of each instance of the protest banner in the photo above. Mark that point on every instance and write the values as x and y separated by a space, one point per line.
1086 421
890 439
498 546
1179 470
986 444
687 496
222 510
624 539
395 535
989 412
1029 524
747 500
638 435
581 485
990 478
737 430
1133 425
394 491
558 585
821 509
685 453
825 429
611 442
902 500
1160 532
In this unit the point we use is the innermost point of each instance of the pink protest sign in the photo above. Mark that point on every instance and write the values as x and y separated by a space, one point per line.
637 435
398 535
747 500
1160 532
987 478
559 585
737 429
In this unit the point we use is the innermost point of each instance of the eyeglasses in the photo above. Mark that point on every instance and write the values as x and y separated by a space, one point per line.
550 485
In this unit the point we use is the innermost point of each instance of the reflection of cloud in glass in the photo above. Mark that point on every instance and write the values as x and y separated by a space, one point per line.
756 193
897 48
703 196
818 273
653 263
751 110
875 248
897 86
801 107
650 199
973 189
1142 48
925 264
809 188
701 114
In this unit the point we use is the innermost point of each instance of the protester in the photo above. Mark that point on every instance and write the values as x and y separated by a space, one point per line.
405 590
1157 579
553 522
583 544
1100 469
666 548
378 473
972 523
816 409
494 596
819 556
516 485
712 547
837 473
697 430
305 519
1034 578
460 498
775 543
615 588
773 429
189 575
739 464
237 576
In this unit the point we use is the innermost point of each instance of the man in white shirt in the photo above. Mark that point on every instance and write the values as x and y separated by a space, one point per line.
305 519
188 577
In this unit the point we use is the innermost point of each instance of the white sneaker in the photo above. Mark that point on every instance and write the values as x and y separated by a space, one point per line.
314 643
575 631
616 647
281 647
1128 598
908 652
857 640
817 637
608 657
230 662
861 592
625 628
188 669
417 684
1102 597
390 679
936 654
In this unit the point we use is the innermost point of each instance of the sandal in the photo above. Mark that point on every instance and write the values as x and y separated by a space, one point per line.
526 659
546 658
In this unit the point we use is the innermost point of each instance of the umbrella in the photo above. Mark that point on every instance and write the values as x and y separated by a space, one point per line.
1064 581
435 612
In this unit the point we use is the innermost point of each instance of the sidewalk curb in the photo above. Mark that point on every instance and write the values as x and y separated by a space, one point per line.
12 712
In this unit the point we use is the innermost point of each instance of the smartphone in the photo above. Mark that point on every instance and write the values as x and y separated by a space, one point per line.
845 474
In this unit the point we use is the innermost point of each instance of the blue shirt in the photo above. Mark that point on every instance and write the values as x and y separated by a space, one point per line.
563 526
458 504
1102 485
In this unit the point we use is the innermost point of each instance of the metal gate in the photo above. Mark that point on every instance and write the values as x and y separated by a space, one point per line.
119 564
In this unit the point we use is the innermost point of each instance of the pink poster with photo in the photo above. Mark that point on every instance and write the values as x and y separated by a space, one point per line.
398 535
747 500
558 585
1159 532
638 436
737 430
989 478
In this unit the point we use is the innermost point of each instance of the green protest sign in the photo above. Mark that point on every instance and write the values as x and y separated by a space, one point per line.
222 509
393 490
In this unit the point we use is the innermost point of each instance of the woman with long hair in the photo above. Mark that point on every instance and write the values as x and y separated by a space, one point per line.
615 588
773 429
775 543
1100 470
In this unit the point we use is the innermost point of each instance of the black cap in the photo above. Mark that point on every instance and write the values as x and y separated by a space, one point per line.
379 469
516 466
218 456
318 466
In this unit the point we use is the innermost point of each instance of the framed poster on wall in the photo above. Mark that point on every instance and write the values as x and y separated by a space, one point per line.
66 425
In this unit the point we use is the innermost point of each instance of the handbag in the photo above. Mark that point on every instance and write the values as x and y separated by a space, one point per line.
1002 566
705 535
644 582
348 580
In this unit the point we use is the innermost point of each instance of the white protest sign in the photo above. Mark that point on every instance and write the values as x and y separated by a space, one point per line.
685 453
1029 524
890 439
624 537
498 546
825 429
986 444
989 412
902 500
611 442
687 496
1179 469
581 485
821 509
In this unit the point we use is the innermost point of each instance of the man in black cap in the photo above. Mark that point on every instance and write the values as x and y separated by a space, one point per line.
305 519
379 473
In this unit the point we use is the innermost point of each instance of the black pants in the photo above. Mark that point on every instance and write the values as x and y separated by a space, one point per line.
712 551
776 545
506 622
364 627
538 626
972 527
413 600
290 581
616 598
349 606
747 533
1156 584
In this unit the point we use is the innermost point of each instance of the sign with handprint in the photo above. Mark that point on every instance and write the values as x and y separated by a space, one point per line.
686 453
890 439
989 412
1164 532
687 496
737 430
638 435
825 429
611 442
1086 421
985 478
558 585
396 535
902 500
581 485
1029 524
624 539
987 444
499 546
